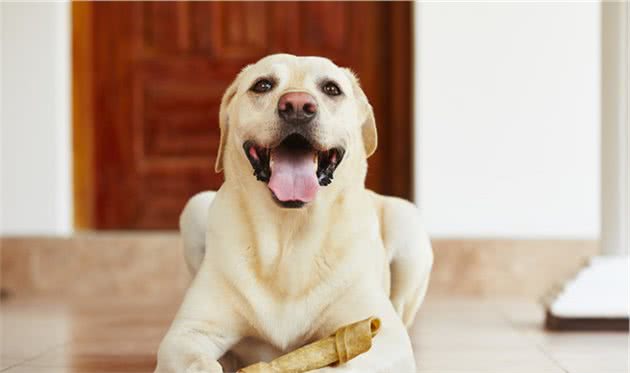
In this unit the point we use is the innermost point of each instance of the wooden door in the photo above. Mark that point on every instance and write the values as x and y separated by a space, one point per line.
149 76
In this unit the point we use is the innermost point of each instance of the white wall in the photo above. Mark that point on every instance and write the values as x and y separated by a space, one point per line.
35 172
508 106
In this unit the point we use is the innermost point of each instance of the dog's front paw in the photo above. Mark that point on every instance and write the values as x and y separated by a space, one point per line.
202 365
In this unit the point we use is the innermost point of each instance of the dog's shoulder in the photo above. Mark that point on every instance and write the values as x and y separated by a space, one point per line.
397 217
394 209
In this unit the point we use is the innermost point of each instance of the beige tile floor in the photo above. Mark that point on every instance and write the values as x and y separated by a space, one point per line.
449 336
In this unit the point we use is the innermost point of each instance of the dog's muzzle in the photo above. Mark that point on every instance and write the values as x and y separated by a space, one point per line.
295 169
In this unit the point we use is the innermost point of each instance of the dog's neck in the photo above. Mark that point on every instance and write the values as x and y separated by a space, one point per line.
295 246
283 237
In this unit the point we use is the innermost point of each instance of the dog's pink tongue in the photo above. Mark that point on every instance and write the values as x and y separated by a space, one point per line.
293 176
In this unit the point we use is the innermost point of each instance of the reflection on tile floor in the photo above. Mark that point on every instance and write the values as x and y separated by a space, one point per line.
449 336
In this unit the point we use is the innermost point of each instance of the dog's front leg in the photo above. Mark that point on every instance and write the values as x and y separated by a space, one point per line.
411 255
203 330
391 348
190 347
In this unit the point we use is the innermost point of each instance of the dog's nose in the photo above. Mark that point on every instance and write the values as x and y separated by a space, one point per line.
297 107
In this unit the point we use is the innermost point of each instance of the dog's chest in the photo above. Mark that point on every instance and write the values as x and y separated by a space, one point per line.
286 325
290 320
288 292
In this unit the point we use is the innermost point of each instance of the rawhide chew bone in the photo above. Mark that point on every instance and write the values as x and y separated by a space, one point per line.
347 343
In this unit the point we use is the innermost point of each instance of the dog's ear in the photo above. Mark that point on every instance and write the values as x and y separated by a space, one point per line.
223 122
368 126
368 131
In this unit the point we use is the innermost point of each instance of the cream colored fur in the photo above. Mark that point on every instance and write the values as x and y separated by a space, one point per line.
268 279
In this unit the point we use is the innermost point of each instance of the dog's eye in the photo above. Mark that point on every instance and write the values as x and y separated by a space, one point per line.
262 86
331 89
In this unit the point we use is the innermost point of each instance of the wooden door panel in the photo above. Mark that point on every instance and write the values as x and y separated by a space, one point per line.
160 69
166 26
324 27
239 29
177 114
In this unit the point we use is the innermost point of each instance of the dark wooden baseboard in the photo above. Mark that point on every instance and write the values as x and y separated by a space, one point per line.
556 323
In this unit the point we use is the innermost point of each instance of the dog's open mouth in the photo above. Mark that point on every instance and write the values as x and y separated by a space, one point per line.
293 170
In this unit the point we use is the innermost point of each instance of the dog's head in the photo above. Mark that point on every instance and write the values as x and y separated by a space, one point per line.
296 122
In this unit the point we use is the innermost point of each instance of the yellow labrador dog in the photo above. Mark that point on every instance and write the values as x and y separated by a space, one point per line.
293 245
